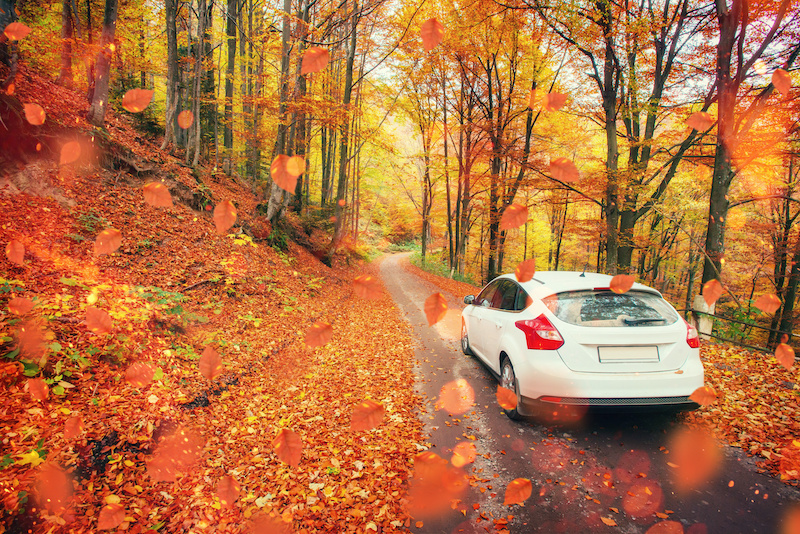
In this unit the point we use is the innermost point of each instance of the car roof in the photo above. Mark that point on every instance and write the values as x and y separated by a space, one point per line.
549 282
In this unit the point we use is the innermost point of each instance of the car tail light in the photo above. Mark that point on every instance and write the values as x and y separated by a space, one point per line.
692 338
540 334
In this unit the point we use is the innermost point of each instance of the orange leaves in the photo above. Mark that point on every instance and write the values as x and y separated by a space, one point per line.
20 305
314 60
156 194
703 395
367 414
111 516
782 81
518 491
621 283
140 374
174 455
525 270
288 446
790 462
506 398
107 241
38 389
15 252
73 427
98 321
608 521
514 216
768 303
185 119
553 101
435 308
224 216
785 355
16 31
70 153
367 287
319 334
700 121
34 114
564 170
431 32
712 291
210 363
285 170
694 458
456 397
228 490
136 100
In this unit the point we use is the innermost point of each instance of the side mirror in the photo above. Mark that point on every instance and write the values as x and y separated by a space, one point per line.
469 299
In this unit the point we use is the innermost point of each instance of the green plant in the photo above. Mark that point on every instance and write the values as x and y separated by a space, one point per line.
437 266
279 240
90 222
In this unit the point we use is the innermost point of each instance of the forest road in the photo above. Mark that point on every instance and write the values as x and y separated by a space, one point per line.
601 473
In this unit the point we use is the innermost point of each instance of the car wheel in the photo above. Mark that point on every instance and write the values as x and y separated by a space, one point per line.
509 381
465 340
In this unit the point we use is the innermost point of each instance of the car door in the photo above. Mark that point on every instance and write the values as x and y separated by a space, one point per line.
480 308
496 320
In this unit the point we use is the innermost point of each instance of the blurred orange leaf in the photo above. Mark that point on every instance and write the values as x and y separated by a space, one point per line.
700 121
367 414
464 453
136 100
107 241
38 389
53 488
97 320
782 81
704 395
73 427
20 305
140 374
314 60
553 101
513 217
156 194
712 291
666 527
525 270
785 355
564 170
435 308
224 216
16 31
15 252
506 398
288 446
318 334
175 454
210 363
431 32
621 283
279 170
70 153
768 303
185 119
295 166
34 114
517 491
111 516
695 455
367 287
228 490
456 397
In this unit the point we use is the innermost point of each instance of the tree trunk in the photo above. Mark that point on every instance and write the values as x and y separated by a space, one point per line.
97 111
610 84
172 91
65 74
230 31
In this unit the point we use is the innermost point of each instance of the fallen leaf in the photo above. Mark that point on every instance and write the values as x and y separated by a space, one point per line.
107 241
156 194
73 427
228 490
621 283
517 491
185 119
525 270
210 363
224 216
782 81
318 334
367 287
553 101
288 446
506 398
768 303
283 178
20 305
111 516
38 389
15 252
712 291
136 100
431 32
140 374
34 114
16 31
700 121
30 458
514 216
785 355
703 395
314 60
98 321
608 521
70 153
435 308
563 170
367 414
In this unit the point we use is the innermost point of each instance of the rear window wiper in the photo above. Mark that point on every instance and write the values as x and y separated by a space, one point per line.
643 320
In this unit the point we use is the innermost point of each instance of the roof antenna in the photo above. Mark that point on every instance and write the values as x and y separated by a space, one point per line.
583 274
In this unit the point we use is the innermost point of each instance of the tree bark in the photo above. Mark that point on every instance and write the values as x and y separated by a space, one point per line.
65 74
97 110
230 30
172 92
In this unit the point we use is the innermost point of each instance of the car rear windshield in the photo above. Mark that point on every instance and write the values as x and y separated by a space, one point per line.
606 308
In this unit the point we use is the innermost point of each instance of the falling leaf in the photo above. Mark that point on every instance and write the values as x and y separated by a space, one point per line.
156 194
525 270
435 308
553 101
643 498
341 202
700 121
367 414
666 527
140 374
224 216
288 446
175 454
517 491
768 303
280 173
210 363
608 521
34 114
782 81
621 283
111 516
185 119
506 398
97 320
563 170
107 241
73 427
15 252
318 334
70 153
696 456
20 305
431 32
456 397
53 488
314 60
136 100
367 287
514 216
295 166
228 490
785 355
712 290
464 453
16 31
703 395
38 389
31 339
434 485
790 523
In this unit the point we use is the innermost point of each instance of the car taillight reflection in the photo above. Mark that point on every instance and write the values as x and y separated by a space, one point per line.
692 337
540 334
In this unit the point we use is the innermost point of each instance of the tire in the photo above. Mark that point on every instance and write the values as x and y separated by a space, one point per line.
465 340
509 381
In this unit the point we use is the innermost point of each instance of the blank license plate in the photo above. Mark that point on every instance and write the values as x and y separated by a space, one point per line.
628 354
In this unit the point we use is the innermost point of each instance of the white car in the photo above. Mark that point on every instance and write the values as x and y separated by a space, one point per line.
566 339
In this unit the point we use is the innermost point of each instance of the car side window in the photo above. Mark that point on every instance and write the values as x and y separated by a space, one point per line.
484 298
522 301
505 297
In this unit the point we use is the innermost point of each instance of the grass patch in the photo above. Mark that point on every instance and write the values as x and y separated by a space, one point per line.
438 266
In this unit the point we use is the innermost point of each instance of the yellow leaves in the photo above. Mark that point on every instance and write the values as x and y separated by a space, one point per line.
319 334
712 291
563 170
111 516
517 491
185 119
456 397
431 32
367 414
136 100
15 252
156 194
785 355
140 374
700 121
782 81
16 31
285 171
34 114
38 389
703 395
367 287
514 216
435 308
314 60
525 270
224 216
70 153
228 490
621 283
97 320
107 241
31 458
506 398
210 363
768 303
288 446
